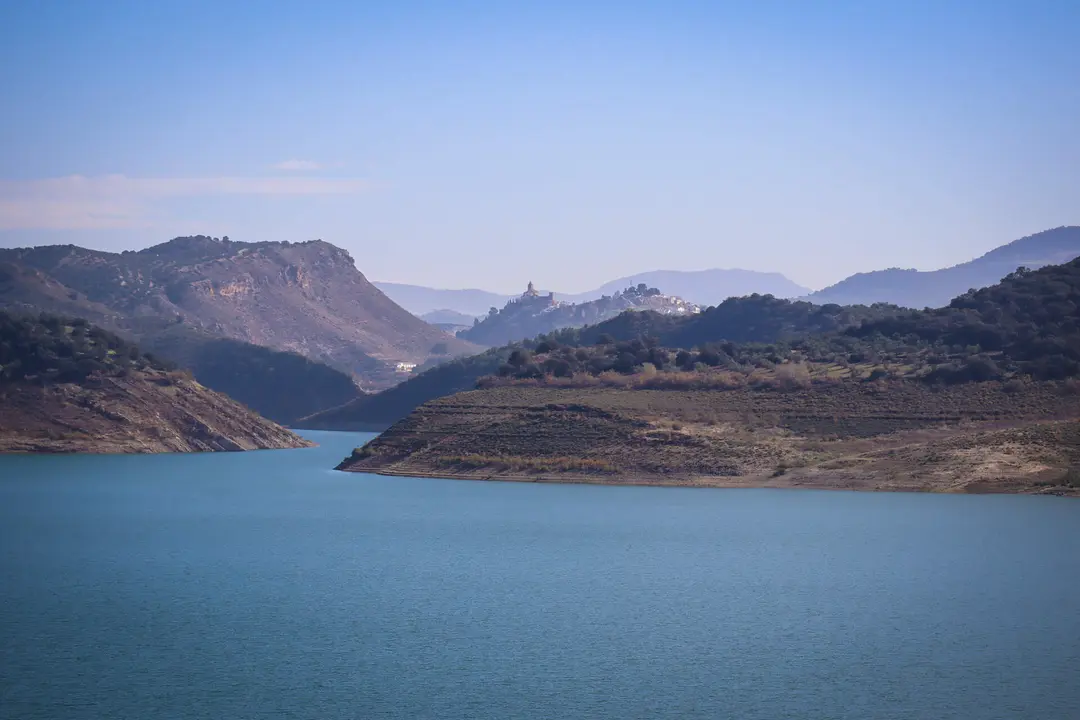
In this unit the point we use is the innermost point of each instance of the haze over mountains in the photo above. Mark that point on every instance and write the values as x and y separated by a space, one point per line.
915 289
907 288
307 298
701 287
421 300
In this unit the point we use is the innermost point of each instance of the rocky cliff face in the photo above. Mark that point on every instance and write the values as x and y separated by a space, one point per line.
141 412
306 297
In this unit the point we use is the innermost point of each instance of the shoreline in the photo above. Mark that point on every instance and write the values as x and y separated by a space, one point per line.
792 481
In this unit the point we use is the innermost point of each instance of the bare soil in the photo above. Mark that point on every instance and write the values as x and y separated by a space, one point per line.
144 412
865 436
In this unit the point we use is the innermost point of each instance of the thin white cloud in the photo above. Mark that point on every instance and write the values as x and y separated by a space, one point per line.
298 165
117 201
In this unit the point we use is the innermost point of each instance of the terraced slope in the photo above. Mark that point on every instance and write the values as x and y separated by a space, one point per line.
857 435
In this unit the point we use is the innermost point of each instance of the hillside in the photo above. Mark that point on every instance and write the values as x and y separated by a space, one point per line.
754 319
917 289
378 411
280 386
68 386
854 436
307 298
535 314
1024 325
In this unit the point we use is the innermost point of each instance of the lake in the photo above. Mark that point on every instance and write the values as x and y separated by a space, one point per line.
266 585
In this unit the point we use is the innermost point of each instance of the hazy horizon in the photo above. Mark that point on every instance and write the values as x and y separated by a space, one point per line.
483 146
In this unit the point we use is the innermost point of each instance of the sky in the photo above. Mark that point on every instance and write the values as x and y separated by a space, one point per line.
468 144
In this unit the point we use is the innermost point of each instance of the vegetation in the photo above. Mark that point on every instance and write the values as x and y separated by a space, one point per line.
51 349
381 409
281 386
751 319
1022 329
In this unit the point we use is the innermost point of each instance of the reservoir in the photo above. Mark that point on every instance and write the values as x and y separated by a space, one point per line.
267 585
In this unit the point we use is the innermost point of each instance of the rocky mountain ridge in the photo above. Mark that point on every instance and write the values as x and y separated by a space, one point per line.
307 298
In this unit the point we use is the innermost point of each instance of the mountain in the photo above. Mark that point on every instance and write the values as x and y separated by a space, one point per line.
280 386
422 300
534 314
701 287
450 321
307 298
69 386
919 289
448 317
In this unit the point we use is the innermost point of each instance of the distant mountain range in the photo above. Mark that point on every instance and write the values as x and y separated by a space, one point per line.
701 287
449 317
919 289
421 300
308 298
908 288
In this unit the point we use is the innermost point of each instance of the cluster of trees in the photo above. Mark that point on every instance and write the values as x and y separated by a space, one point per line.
549 357
1028 323
48 348
754 318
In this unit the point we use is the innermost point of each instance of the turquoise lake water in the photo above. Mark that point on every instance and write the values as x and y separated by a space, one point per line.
266 585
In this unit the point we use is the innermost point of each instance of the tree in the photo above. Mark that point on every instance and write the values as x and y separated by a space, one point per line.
519 358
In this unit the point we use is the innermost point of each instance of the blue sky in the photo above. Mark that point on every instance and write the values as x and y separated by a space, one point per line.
473 144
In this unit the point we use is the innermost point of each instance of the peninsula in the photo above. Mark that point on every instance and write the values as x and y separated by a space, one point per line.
979 396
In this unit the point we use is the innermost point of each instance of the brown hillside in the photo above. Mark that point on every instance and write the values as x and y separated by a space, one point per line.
68 386
142 412
869 436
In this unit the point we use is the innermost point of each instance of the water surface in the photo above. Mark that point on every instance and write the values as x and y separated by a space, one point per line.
265 585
